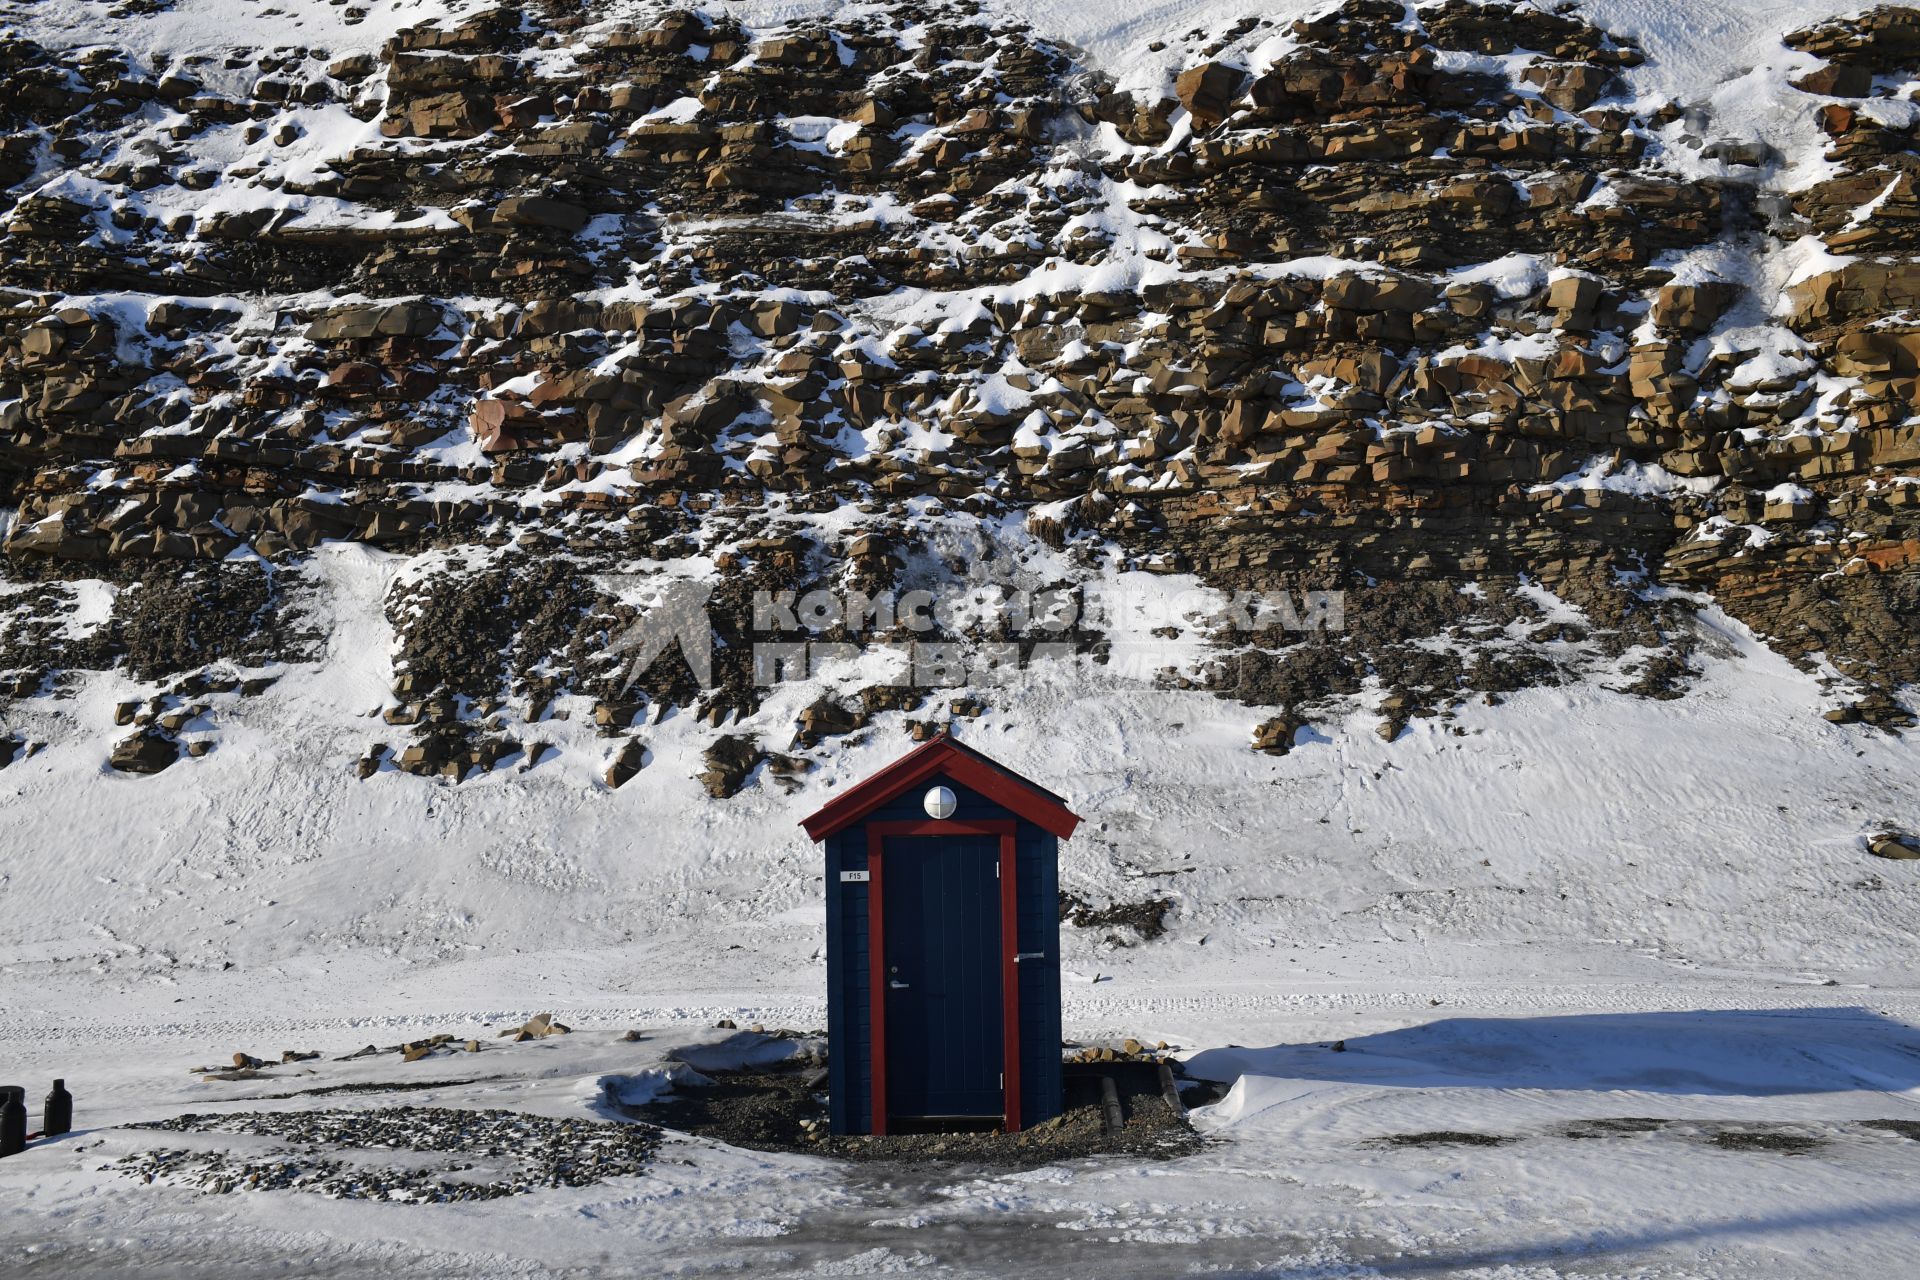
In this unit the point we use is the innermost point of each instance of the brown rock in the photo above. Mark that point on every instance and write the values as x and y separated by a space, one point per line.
147 752
1207 92
1570 86
353 68
542 211
414 319
730 761
1836 80
627 762
1693 308
1379 292
1896 845
1572 299
1275 737
827 718
1886 38
1857 290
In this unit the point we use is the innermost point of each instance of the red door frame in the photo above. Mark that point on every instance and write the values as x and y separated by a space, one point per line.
877 833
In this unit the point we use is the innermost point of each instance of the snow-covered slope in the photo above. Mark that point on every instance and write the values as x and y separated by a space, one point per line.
183 27
1722 829
1567 829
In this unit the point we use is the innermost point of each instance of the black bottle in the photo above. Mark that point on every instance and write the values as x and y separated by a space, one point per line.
13 1122
57 1116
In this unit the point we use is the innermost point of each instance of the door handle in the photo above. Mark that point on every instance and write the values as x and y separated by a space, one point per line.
896 984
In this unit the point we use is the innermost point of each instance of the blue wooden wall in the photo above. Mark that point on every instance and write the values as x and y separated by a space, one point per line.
849 1022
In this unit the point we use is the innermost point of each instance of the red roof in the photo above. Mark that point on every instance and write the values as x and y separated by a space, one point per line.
1026 799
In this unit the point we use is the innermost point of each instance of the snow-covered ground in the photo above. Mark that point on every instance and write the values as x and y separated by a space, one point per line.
1570 908
1724 830
1704 1141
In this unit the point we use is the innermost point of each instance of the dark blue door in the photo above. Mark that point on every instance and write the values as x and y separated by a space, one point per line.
944 1030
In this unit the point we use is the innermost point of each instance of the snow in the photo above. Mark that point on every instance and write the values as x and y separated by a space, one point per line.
1573 907
1804 259
1517 275
1615 1159
186 27
1788 492
679 111
326 891
92 606
1640 480
1784 367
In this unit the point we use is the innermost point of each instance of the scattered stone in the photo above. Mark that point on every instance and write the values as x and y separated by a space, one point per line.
1445 1138
148 751
626 763
1898 846
1146 918
538 1027
1275 736
1791 1144
538 1153
730 761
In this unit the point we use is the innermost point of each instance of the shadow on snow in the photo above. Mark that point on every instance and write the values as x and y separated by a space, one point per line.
1749 1052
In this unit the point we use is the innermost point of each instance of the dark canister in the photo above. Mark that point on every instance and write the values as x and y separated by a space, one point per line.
57 1116
13 1120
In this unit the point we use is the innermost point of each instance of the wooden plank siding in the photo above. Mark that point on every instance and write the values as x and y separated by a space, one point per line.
850 1046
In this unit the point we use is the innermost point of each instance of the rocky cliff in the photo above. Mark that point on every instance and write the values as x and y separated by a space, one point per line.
1417 302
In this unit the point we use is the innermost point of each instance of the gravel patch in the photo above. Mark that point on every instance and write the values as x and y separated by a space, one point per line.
1444 1138
488 1154
1792 1144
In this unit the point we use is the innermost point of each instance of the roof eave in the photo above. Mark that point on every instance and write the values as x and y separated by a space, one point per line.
997 783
